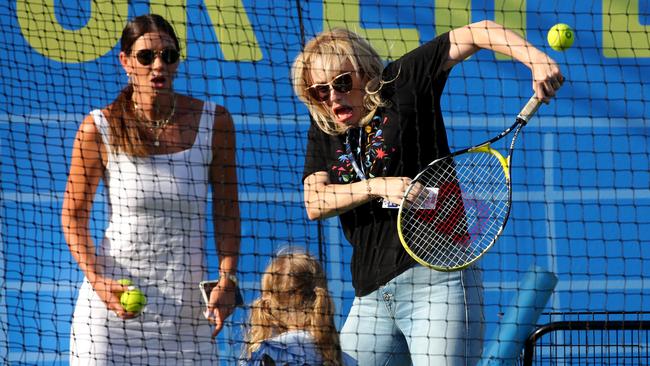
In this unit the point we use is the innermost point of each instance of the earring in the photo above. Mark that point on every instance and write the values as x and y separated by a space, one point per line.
130 78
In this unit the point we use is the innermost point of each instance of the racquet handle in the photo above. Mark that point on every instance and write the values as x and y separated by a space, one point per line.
529 109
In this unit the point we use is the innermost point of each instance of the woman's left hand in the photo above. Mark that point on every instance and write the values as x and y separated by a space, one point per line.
390 188
222 304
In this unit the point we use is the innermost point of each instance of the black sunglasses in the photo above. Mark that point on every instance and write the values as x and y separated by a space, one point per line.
168 55
321 92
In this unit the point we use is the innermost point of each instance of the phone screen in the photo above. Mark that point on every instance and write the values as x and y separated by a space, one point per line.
206 289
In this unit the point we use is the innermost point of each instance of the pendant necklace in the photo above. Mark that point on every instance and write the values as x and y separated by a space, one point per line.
156 126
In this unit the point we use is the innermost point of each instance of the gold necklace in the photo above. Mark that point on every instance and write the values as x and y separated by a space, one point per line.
155 125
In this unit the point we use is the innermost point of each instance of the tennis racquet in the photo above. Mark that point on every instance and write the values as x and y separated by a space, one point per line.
455 209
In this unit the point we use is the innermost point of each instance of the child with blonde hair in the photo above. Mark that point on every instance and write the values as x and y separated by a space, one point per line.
292 322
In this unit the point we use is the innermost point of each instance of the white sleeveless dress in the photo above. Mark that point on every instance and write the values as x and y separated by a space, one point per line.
155 237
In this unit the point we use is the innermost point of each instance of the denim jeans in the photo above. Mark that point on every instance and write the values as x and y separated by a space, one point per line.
421 317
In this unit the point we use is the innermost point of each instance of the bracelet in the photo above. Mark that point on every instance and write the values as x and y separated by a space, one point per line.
231 277
369 188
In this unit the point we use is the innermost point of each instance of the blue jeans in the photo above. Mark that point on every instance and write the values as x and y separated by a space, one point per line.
421 317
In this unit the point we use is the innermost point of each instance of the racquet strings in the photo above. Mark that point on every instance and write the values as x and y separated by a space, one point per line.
468 214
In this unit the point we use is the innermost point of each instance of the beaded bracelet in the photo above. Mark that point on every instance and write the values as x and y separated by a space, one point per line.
369 188
231 277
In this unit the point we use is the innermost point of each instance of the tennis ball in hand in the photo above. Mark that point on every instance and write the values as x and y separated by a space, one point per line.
133 300
125 282
560 37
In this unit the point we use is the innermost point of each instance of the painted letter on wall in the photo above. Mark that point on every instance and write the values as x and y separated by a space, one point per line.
45 34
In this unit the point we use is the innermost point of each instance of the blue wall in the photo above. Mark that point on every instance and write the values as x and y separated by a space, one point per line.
582 198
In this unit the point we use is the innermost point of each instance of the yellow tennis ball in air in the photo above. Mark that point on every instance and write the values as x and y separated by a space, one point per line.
560 37
133 300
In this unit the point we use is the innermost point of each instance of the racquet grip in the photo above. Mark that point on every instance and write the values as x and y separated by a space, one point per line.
529 109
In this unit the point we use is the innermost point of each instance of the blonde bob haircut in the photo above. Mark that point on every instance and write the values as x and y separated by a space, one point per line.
333 48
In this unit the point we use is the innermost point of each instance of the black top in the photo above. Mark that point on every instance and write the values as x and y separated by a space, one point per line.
402 139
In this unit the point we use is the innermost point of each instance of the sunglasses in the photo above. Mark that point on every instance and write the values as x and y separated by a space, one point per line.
167 55
321 92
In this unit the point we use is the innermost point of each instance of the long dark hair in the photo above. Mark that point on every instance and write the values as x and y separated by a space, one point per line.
149 23
124 134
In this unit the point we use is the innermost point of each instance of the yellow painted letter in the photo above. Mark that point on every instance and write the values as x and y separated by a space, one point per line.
233 30
389 43
623 34
512 15
452 14
42 30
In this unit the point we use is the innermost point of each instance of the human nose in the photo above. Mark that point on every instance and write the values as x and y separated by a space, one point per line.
157 62
334 95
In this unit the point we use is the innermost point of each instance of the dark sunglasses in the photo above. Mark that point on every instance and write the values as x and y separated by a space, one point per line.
321 92
168 55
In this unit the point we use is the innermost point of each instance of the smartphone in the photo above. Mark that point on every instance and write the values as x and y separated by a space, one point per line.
206 289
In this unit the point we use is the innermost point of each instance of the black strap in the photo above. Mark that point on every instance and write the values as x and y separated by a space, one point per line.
267 360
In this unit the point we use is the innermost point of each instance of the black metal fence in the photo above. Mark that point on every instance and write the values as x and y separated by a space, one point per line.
589 338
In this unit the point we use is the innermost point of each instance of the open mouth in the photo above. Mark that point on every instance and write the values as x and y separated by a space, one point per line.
343 113
159 81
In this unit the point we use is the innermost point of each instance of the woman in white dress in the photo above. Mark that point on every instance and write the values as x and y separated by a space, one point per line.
157 152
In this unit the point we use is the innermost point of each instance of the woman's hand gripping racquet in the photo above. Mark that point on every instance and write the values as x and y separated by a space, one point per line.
456 208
